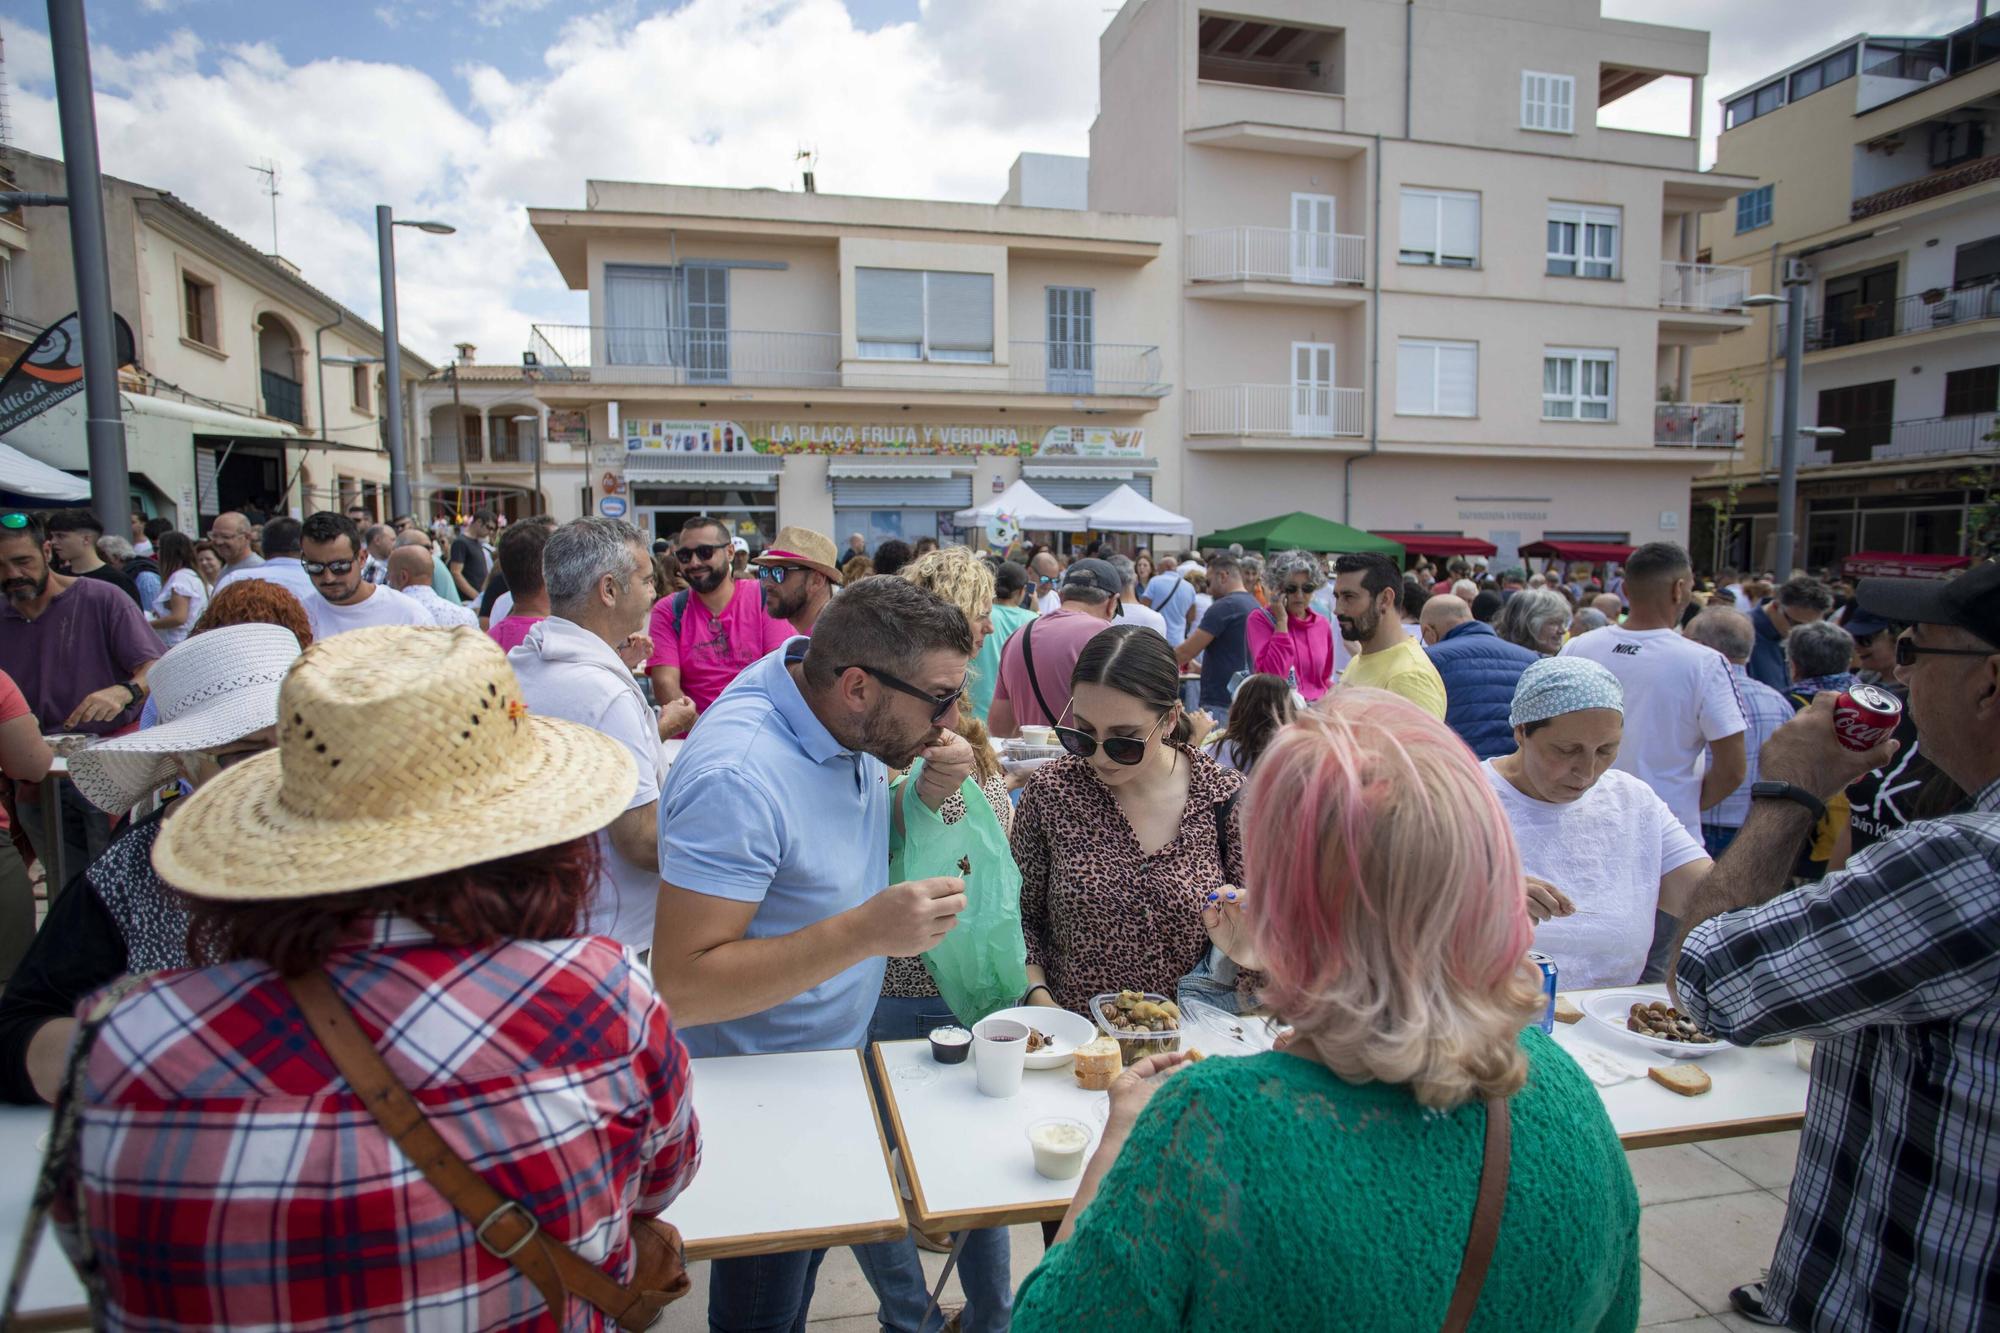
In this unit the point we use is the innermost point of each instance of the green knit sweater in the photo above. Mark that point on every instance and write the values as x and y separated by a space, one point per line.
1267 1193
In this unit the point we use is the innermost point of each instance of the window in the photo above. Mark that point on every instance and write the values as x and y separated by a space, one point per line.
1583 242
1865 411
1753 209
1436 379
198 322
1956 142
361 375
1071 319
1969 393
911 315
1976 263
1548 102
1822 74
1751 105
1578 384
1440 227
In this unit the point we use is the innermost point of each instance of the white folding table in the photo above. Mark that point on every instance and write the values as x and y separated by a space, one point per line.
53 1298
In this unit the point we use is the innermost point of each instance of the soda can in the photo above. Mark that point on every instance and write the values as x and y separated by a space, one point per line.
1865 716
1548 967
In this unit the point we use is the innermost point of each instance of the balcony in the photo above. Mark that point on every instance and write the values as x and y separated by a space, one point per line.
745 359
1716 289
1919 312
1301 411
1698 425
1271 263
284 398
1925 187
1905 441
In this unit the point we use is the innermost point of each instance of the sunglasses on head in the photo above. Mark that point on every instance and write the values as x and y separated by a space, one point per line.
941 704
1122 750
689 554
13 522
335 567
1908 650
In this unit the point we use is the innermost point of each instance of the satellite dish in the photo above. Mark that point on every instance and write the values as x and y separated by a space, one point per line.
1002 530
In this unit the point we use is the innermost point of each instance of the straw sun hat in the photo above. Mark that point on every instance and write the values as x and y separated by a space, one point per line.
805 549
401 753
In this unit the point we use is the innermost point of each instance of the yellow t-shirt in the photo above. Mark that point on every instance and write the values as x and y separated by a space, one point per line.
1404 669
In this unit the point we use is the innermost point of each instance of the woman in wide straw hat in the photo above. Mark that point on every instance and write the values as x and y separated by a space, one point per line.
334 875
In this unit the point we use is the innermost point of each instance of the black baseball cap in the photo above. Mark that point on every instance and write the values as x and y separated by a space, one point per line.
1091 572
1971 601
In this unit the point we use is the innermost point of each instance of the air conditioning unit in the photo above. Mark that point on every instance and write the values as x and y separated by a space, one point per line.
1797 271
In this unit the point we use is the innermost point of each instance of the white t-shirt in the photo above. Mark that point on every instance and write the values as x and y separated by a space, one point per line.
1138 613
503 606
189 585
1678 698
1608 850
384 606
1049 603
287 571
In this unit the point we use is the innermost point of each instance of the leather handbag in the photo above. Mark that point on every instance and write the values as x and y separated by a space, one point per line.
1486 1210
501 1226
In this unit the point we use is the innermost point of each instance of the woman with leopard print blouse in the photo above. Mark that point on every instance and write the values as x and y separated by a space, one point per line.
1119 841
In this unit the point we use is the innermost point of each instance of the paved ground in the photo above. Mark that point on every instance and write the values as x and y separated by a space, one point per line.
1709 1218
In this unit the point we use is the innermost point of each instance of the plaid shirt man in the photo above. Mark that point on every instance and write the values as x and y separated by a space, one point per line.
232 1180
1894 965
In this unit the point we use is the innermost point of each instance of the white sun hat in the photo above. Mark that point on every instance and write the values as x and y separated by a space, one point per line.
216 687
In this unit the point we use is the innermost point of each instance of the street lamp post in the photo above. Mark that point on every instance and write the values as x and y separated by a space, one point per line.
536 443
1794 301
392 351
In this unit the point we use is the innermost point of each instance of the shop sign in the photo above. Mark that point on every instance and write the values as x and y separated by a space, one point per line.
612 506
607 472
646 435
569 426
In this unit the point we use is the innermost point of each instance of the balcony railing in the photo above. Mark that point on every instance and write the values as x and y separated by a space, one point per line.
1925 187
1698 425
1930 437
284 398
1714 288
1272 254
1299 410
505 448
1919 312
747 359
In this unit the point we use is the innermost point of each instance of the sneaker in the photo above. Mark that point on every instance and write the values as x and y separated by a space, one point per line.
1748 1301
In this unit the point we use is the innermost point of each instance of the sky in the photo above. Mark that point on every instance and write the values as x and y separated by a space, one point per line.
471 111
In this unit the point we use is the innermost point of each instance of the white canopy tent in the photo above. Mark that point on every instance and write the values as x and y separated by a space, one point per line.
22 475
1125 510
1029 512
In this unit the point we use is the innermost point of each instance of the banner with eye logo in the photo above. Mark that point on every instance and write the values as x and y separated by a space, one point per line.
52 369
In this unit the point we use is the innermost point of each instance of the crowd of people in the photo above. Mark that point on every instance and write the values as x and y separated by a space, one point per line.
546 810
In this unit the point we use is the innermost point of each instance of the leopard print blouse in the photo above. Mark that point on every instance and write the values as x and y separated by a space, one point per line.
1101 915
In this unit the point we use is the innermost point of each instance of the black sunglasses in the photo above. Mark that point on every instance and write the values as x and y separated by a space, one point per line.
1908 650
941 704
1122 750
339 568
686 554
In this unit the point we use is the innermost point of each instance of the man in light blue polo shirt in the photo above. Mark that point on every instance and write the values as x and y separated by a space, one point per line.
775 910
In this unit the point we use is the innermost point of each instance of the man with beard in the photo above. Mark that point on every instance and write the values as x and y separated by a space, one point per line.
705 634
79 650
775 911
798 576
341 599
1366 589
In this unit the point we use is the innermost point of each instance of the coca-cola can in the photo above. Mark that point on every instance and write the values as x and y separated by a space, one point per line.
1865 716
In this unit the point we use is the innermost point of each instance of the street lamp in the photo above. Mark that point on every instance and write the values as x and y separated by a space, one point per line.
385 245
1794 302
537 443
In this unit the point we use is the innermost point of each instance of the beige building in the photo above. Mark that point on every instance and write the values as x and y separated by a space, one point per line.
1307 278
252 388
1876 170
486 440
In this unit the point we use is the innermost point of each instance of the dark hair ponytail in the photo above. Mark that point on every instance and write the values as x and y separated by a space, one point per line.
1136 661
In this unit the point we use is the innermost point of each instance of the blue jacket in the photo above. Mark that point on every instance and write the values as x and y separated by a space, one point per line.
1480 670
1767 656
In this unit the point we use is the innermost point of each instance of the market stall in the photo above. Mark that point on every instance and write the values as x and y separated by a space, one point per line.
1303 532
1125 510
1023 510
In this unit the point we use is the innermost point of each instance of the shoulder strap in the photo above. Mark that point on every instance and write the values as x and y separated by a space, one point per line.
503 1227
1486 1210
676 608
1223 810
1034 681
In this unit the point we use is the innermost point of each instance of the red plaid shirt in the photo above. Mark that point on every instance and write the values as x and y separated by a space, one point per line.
231 1180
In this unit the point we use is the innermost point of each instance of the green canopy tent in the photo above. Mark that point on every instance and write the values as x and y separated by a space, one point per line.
1304 532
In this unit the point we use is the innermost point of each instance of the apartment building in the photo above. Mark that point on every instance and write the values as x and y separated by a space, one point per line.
855 364
486 440
1423 287
1877 183
251 389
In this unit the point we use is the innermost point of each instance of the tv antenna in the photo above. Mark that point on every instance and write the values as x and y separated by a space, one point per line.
809 156
268 169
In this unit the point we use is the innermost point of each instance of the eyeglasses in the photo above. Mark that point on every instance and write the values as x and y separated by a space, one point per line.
1908 650
14 521
941 704
334 567
1122 750
775 573
690 554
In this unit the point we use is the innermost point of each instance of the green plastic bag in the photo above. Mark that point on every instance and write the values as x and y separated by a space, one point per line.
982 965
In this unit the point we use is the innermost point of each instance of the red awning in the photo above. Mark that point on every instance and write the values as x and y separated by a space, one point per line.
1595 552
1446 544
1896 565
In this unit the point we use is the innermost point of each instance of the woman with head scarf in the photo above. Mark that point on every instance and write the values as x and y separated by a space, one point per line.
1617 856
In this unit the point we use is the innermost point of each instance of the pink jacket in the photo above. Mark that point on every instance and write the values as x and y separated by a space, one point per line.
1306 647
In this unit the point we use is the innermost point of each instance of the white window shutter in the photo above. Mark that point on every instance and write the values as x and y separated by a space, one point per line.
1420 221
889 305
960 307
1458 381
1562 98
1461 225
1416 378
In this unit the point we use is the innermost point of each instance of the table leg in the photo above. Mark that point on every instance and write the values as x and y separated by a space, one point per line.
958 1239
52 837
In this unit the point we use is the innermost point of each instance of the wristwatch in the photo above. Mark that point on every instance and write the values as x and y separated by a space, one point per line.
1785 791
133 690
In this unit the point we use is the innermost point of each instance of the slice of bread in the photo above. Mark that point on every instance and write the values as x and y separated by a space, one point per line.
1098 1062
1566 1010
1687 1080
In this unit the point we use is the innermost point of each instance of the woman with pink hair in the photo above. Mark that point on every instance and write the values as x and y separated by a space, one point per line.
1332 1184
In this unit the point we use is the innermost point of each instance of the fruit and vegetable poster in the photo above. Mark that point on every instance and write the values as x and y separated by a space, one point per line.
652 435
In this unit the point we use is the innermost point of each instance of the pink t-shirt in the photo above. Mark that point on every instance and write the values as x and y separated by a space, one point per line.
1306 647
1058 640
508 633
708 651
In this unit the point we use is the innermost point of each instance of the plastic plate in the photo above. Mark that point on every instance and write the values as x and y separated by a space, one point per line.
1609 1010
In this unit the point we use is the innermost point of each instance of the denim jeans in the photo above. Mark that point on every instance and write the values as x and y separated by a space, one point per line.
892 1267
769 1293
1213 981
1716 838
